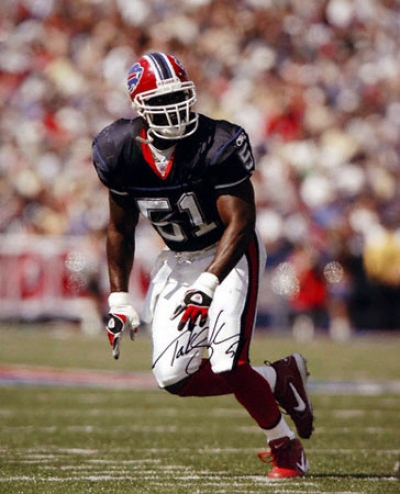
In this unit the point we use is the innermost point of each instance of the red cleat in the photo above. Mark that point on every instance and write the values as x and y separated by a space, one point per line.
287 457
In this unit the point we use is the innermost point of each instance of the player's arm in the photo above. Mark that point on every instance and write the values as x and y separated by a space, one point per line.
237 210
120 255
120 242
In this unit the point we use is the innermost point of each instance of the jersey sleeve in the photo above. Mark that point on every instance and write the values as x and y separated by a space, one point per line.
233 160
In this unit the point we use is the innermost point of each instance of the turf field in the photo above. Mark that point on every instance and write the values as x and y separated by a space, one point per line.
73 420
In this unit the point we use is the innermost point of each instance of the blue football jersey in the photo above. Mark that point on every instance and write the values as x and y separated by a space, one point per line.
181 205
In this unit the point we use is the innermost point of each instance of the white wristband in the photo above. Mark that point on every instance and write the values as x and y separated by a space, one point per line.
207 283
119 298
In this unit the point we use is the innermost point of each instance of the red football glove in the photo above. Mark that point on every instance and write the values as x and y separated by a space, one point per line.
121 316
196 302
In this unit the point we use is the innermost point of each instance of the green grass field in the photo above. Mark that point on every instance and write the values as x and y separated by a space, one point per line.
90 438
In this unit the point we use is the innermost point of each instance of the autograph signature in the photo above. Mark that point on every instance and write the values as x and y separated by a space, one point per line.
194 343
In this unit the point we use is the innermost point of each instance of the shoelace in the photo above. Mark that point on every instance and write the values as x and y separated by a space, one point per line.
266 456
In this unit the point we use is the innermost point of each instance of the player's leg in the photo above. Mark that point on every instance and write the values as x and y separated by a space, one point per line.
170 279
179 367
286 377
177 355
232 319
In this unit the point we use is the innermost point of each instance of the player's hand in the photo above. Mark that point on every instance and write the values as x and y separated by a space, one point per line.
121 316
196 302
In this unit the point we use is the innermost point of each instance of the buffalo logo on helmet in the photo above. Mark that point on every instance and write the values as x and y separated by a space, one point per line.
134 76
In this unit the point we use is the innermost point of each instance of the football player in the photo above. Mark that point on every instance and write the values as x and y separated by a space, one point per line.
190 176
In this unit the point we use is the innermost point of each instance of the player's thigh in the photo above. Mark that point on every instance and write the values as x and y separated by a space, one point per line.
231 320
176 354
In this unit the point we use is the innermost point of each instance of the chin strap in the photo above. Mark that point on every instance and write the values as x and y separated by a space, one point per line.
149 139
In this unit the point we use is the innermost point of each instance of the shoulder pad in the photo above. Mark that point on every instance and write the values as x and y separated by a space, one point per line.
110 145
228 155
232 159
229 138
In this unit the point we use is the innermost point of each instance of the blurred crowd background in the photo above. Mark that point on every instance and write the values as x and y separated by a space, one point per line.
316 84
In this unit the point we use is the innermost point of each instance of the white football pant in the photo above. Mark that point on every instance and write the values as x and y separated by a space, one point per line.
225 338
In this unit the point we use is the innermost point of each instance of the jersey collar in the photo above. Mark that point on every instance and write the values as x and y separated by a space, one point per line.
161 171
